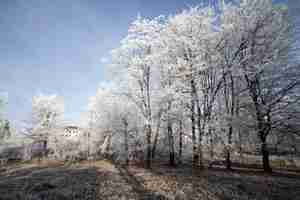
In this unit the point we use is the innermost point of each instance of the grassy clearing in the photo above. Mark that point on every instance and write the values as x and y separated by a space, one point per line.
220 184
52 180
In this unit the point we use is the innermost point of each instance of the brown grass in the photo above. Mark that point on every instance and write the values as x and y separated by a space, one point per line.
53 180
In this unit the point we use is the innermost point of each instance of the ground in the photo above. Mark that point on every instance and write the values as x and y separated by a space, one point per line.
53 180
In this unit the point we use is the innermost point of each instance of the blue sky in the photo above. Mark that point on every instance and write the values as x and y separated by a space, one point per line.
58 46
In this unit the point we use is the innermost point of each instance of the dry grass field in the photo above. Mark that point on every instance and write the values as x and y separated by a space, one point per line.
53 180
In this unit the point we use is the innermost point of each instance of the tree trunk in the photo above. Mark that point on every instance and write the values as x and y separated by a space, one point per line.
228 160
126 141
45 148
263 120
265 156
264 128
149 118
195 156
148 158
240 138
156 135
171 144
240 146
200 132
170 136
107 148
180 140
211 140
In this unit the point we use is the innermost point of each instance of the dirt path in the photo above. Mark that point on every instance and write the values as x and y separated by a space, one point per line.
138 186
116 182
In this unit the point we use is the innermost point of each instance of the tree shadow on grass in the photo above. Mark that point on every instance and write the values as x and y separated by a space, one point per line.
138 188
57 183
239 183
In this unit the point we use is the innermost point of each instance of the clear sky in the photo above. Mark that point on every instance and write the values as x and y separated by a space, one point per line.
60 46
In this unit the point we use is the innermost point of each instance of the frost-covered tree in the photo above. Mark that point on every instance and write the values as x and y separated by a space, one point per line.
212 75
189 44
259 36
5 130
134 60
47 114
116 121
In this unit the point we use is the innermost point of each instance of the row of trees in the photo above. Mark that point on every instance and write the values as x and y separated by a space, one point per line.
42 133
50 135
194 84
46 118
203 76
